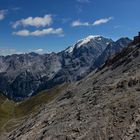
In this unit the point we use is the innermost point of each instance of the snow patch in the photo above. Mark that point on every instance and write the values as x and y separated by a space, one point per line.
83 42
70 49
88 39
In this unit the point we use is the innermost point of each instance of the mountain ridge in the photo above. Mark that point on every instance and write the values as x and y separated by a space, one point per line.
103 105
25 75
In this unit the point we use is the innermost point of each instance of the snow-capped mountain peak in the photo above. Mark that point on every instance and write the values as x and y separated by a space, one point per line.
87 40
83 42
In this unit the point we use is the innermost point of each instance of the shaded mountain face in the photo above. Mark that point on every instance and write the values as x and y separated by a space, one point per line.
112 49
103 105
25 75
22 75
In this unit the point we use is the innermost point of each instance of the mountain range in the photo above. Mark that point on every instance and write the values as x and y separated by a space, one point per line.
24 75
102 105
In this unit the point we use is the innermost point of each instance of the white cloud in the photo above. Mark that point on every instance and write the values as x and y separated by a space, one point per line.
36 22
77 23
2 14
58 31
22 33
102 21
83 1
40 51
9 51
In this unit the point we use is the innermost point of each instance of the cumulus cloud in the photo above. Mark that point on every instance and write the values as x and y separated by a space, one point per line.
36 21
22 33
77 23
40 51
58 31
102 21
2 14
9 51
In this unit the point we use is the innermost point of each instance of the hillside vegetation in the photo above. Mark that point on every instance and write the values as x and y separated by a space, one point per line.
13 114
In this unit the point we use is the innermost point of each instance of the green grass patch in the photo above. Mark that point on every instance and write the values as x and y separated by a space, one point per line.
12 114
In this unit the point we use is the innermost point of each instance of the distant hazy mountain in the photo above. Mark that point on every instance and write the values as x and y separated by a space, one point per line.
25 75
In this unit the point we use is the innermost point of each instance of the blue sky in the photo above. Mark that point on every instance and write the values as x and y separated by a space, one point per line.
53 25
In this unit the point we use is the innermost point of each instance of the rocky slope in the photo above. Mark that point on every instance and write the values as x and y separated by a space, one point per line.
104 105
25 75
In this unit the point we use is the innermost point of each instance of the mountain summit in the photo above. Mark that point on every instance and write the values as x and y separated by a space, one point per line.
24 75
94 41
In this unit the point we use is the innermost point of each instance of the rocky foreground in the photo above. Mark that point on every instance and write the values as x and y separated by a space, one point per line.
103 106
